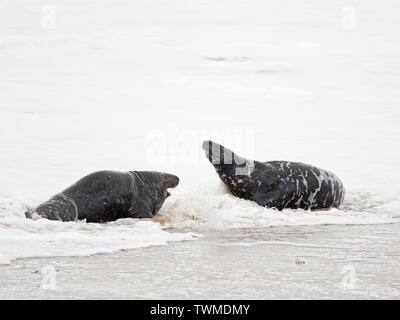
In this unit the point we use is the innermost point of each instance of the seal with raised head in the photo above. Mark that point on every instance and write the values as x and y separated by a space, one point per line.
109 195
276 184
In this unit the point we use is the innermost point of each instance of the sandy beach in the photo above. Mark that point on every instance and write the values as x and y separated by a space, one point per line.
322 262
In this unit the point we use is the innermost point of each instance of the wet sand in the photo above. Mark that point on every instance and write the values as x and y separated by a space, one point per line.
318 262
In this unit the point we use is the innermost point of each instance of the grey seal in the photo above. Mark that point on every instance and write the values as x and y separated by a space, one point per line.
109 195
276 184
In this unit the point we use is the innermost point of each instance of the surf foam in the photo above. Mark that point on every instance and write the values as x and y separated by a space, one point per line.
208 207
24 238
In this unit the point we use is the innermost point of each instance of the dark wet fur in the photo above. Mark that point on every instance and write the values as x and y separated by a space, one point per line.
277 184
110 195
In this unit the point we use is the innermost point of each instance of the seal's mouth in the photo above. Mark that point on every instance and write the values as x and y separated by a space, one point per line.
171 181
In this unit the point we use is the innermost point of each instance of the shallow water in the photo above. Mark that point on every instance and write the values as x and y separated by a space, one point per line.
313 262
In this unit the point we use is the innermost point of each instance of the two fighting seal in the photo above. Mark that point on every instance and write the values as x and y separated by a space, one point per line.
276 184
109 195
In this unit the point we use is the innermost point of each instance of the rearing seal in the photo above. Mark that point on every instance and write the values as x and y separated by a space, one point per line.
109 195
276 184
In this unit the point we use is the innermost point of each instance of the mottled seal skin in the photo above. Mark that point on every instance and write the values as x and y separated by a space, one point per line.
109 195
276 184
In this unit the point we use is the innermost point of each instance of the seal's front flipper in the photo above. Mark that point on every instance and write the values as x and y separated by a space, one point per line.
140 214
269 196
30 214
139 210
29 211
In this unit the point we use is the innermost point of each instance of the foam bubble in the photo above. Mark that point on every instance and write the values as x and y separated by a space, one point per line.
211 206
22 238
187 213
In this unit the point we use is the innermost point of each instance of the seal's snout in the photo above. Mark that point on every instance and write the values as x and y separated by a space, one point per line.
214 151
210 146
171 180
206 145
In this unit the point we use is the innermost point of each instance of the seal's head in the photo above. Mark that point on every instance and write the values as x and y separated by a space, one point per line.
225 161
169 181
154 187
163 182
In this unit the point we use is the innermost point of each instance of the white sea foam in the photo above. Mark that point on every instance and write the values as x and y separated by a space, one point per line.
211 206
185 215
23 238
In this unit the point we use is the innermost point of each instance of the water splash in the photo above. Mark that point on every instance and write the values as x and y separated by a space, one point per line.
206 207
